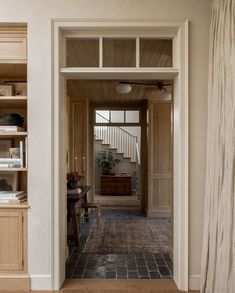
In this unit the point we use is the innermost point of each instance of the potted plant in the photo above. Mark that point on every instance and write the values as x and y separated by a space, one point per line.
106 161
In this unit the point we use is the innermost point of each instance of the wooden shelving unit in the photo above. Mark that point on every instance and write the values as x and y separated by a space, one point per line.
13 134
13 98
14 169
23 205
13 258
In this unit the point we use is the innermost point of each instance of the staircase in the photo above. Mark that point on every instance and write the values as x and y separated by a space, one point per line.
123 143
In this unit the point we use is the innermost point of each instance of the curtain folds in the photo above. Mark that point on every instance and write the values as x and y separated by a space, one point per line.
218 257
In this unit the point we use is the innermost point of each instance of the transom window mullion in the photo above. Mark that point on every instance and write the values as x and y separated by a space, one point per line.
137 46
100 52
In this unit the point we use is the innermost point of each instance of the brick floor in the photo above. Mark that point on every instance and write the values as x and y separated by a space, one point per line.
116 266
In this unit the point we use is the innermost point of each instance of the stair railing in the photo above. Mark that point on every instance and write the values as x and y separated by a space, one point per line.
116 137
138 172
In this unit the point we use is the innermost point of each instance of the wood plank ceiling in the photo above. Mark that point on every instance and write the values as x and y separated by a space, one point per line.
104 91
117 52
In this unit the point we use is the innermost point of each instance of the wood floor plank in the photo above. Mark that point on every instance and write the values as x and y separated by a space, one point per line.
118 284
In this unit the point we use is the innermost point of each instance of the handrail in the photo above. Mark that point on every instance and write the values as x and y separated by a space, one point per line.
111 124
116 137
138 153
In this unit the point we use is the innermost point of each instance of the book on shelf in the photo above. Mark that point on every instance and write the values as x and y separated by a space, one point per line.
10 162
13 197
11 128
12 201
11 194
20 162
21 154
24 152
22 196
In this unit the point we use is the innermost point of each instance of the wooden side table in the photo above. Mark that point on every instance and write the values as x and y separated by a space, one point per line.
72 199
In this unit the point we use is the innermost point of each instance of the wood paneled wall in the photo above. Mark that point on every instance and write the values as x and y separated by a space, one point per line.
160 159
78 137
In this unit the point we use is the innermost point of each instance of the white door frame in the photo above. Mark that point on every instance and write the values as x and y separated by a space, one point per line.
179 72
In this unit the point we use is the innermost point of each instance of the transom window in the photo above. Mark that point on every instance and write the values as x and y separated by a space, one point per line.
122 52
117 116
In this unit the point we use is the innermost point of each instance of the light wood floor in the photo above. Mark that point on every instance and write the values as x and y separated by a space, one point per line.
120 286
113 286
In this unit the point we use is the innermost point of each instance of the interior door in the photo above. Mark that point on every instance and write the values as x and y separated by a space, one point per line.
78 137
160 159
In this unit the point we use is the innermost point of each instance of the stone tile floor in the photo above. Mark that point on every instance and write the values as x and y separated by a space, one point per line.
116 266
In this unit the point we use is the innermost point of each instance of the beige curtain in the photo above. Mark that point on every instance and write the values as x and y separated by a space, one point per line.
218 258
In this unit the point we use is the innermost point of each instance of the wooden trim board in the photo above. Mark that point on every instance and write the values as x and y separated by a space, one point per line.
118 284
14 284
179 29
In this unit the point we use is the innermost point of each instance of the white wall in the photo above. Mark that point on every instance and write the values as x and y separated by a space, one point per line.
38 15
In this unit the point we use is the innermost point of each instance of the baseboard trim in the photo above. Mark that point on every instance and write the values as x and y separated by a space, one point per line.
41 282
15 283
194 282
158 214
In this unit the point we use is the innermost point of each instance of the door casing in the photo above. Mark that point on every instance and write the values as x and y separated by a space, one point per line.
179 73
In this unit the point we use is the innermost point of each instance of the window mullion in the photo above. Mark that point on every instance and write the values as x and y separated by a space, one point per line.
100 52
137 47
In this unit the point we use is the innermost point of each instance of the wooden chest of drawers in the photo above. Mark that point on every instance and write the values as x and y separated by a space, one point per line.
116 185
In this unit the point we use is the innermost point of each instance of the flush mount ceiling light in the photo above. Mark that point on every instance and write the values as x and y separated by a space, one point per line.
122 88
166 96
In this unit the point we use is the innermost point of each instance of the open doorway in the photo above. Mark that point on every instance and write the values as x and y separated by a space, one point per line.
177 71
110 148
117 164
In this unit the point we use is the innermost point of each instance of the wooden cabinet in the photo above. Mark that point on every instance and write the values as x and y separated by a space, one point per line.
160 159
13 45
115 185
13 223
13 216
78 137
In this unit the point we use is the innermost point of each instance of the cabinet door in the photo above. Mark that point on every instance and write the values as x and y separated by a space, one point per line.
160 158
11 240
78 138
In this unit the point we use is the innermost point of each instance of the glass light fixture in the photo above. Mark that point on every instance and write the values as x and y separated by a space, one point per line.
166 96
123 88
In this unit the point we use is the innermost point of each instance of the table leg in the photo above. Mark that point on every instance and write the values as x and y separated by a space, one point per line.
75 224
86 215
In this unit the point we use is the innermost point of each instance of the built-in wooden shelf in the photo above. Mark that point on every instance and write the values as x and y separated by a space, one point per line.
13 98
13 101
13 134
23 205
13 169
